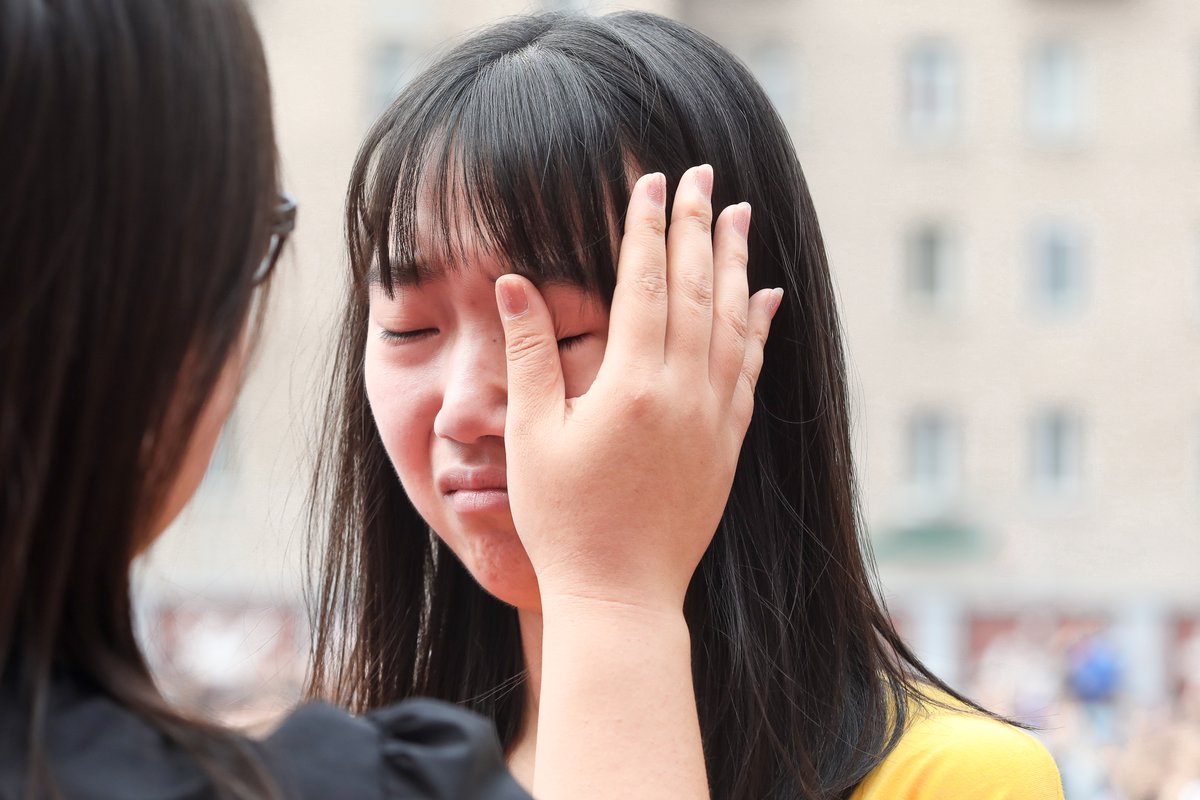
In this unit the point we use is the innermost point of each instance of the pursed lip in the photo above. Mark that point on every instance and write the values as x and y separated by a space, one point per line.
467 479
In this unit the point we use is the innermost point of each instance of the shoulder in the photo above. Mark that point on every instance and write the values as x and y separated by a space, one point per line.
953 753
417 749
96 748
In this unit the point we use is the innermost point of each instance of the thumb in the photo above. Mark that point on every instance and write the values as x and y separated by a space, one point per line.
535 380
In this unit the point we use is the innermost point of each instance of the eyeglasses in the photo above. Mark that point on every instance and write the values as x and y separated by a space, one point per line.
281 228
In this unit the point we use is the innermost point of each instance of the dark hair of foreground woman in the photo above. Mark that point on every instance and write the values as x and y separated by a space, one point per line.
139 185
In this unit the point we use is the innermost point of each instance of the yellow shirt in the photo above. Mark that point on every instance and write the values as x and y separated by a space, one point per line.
959 755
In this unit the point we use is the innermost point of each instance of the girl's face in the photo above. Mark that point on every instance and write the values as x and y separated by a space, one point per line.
435 374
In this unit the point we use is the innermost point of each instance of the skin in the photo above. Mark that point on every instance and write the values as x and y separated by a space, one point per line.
201 445
689 346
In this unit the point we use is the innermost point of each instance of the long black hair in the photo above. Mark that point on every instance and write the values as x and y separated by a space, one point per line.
139 183
530 130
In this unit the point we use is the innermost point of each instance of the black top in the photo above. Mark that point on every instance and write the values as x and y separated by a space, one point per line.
417 749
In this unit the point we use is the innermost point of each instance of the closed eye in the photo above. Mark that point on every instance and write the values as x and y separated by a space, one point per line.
403 337
571 341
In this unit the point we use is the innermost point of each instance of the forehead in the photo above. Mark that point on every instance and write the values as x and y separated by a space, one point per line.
452 204
449 255
441 239
448 243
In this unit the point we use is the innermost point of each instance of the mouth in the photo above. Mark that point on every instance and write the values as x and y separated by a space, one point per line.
475 491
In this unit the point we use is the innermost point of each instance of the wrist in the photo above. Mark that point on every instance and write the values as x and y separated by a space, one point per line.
643 610
616 690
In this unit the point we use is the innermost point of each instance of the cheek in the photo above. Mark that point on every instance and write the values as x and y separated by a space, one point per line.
404 402
200 447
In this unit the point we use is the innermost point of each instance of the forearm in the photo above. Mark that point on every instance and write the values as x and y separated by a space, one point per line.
618 709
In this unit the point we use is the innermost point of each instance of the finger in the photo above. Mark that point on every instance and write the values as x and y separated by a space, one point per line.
690 267
731 300
763 306
638 322
536 390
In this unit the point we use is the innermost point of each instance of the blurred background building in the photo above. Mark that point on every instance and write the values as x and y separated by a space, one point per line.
1009 194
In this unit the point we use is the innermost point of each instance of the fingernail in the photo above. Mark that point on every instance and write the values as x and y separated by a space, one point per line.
513 298
704 179
656 189
741 219
776 300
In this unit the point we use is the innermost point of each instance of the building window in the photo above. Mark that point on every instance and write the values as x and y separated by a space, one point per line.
1058 268
391 68
1057 451
932 96
1055 89
932 453
929 257
775 68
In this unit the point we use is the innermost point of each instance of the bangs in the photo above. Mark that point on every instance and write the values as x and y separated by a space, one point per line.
510 159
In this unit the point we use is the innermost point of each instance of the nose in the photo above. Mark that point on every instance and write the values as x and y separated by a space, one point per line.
475 393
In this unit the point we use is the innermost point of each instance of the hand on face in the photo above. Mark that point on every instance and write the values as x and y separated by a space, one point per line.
617 493
435 374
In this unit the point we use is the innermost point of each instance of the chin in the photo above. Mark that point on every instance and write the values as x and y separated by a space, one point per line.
498 563
520 596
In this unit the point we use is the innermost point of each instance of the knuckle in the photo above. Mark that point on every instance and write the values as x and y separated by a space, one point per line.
748 380
523 346
740 258
697 288
738 324
761 333
698 222
652 283
653 228
642 398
